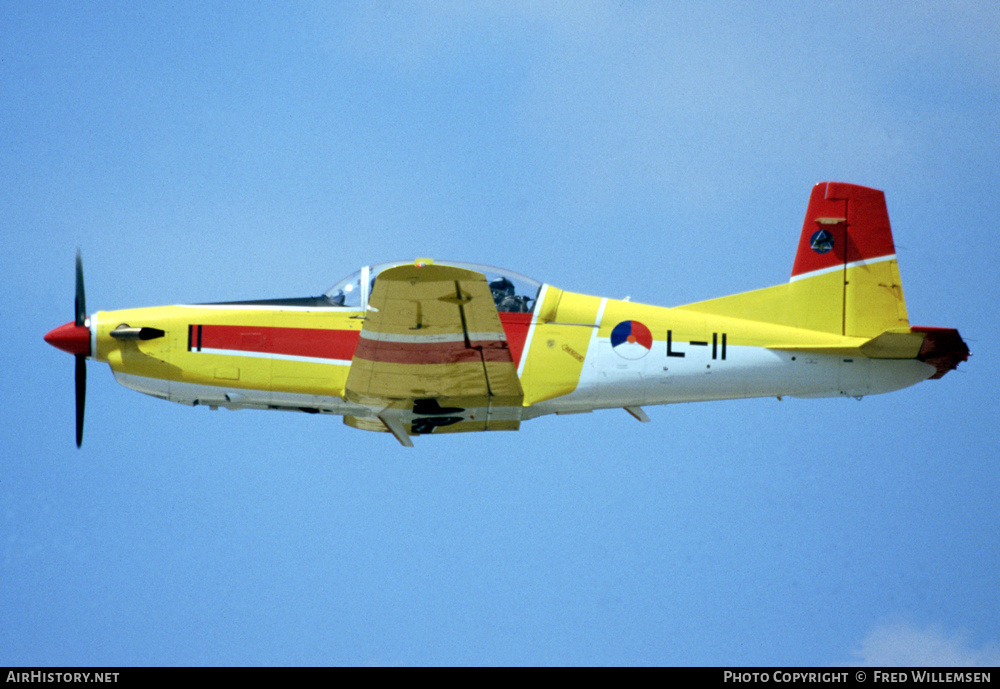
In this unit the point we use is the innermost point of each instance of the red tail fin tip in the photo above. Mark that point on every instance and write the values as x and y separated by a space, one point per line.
845 224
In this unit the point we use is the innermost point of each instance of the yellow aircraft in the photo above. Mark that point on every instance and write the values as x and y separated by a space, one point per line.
426 347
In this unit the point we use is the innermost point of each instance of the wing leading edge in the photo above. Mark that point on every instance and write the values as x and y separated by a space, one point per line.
433 356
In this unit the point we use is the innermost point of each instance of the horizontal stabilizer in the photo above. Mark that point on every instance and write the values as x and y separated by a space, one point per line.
942 348
888 345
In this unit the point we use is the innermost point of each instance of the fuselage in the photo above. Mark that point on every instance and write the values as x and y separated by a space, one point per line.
573 353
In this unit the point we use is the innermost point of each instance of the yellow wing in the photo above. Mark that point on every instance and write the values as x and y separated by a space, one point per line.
433 356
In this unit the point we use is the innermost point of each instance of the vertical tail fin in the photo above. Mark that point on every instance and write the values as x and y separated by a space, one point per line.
845 278
845 281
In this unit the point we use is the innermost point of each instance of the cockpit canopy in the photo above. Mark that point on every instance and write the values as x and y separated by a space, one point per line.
512 293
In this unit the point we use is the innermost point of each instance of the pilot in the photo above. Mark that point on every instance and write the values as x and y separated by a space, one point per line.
337 299
505 299
503 291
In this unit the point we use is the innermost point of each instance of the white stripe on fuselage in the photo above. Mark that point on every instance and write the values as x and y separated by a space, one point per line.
539 302
270 355
271 307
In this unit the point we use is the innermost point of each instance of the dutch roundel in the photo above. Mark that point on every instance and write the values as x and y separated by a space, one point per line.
631 339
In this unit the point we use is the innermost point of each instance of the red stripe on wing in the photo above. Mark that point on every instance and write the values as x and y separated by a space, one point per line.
433 352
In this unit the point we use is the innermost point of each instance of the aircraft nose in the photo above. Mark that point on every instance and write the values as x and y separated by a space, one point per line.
71 338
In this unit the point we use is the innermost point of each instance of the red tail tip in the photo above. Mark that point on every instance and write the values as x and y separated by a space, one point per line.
845 223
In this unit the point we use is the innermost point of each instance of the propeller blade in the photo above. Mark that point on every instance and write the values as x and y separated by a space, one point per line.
81 394
81 301
81 359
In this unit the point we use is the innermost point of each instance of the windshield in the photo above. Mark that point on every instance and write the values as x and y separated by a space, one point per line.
347 292
512 293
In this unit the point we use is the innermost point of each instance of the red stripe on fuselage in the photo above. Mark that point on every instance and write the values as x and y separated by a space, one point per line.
515 327
308 342
433 352
341 344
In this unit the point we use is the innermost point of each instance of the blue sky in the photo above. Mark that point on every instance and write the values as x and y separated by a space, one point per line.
245 150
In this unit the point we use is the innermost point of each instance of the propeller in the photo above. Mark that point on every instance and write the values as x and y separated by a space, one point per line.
81 359
81 395
74 337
